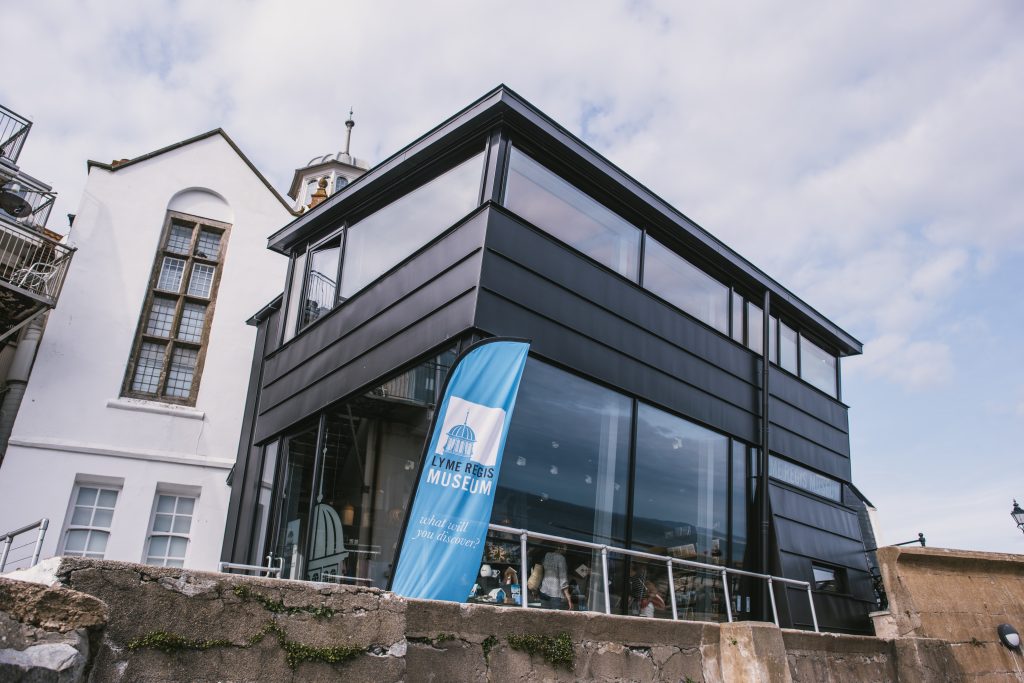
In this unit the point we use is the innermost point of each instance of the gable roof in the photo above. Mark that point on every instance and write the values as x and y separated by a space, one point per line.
113 167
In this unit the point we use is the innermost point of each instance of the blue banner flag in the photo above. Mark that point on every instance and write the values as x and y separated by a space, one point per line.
444 535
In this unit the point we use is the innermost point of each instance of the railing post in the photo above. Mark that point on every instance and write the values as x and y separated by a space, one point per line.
43 523
3 553
672 592
604 577
728 598
524 565
771 595
810 601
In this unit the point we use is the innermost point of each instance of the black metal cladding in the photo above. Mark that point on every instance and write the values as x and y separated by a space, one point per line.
494 274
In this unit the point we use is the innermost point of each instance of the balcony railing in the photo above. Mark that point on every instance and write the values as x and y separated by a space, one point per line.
41 202
13 131
31 261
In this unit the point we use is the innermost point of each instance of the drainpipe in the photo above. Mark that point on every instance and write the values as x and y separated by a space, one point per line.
17 379
762 483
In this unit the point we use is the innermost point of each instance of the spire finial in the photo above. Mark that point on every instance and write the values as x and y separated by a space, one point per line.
349 124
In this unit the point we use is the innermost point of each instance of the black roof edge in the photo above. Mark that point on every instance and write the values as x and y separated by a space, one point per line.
857 492
183 143
491 108
265 312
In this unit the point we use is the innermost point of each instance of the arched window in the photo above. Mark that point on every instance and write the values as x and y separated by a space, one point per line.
173 331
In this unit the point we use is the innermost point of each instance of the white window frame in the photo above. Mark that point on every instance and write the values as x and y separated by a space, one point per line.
100 483
176 491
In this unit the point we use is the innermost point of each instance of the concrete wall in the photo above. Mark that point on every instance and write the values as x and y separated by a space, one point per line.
959 597
243 629
73 422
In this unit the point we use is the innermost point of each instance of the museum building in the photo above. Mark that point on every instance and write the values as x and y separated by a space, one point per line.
639 418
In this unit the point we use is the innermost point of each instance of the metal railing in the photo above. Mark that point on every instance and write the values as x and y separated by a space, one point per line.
13 131
268 570
7 541
606 550
32 261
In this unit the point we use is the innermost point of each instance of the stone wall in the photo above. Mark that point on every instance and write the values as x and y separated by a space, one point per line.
958 597
176 625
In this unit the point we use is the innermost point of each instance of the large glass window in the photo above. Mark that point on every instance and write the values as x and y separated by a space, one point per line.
383 239
679 282
556 206
817 366
343 524
565 471
787 348
171 338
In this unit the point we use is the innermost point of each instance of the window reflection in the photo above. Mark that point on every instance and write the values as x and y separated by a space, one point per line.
344 527
818 366
787 349
565 468
383 239
567 213
679 282
680 503
321 281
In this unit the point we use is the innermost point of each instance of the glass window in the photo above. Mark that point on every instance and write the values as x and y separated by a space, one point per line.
817 366
339 183
161 316
740 476
787 349
828 579
345 526
565 471
172 329
737 317
803 478
193 317
755 328
293 316
208 245
170 274
679 282
384 239
567 213
773 337
172 522
322 281
91 515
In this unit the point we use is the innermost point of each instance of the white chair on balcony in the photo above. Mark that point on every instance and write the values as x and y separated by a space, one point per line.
35 277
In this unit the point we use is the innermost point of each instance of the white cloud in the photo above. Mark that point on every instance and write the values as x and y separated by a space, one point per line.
916 364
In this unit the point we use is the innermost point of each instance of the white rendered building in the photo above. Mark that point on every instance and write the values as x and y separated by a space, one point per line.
131 419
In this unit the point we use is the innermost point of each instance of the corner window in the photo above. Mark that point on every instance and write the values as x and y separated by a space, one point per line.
169 530
321 287
170 341
88 528
817 366
572 216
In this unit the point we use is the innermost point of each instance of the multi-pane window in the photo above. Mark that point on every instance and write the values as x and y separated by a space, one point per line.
170 343
172 522
89 526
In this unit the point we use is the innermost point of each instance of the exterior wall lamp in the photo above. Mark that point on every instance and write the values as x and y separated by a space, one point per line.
1008 635
1018 515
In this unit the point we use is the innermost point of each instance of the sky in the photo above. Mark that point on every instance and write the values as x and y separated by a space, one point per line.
869 156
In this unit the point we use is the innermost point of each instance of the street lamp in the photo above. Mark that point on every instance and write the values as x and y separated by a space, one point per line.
1018 515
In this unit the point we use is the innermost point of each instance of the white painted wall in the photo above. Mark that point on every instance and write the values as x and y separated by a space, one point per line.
73 422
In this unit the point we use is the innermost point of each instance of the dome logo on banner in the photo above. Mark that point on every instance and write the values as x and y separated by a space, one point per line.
471 431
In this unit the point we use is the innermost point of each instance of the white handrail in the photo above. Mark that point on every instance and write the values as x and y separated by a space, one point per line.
8 538
604 549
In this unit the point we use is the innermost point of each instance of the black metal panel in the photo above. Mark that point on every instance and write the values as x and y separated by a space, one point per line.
794 420
246 473
797 393
409 311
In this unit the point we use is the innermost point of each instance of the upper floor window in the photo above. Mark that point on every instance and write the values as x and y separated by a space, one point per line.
676 280
572 216
170 342
380 241
340 182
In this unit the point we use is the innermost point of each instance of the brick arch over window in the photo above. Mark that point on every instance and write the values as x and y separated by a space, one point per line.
173 333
